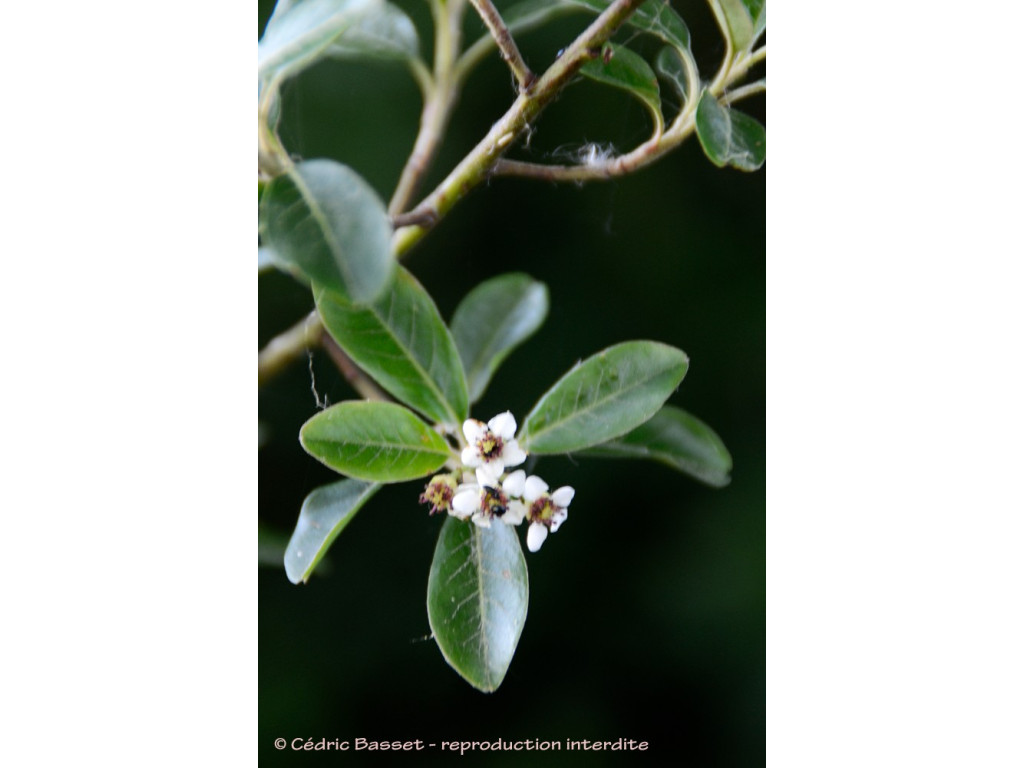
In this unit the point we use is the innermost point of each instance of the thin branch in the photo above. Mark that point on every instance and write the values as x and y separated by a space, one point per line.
742 92
353 374
503 39
477 165
757 55
440 93
287 347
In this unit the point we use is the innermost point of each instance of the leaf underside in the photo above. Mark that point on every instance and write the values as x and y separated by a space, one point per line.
477 599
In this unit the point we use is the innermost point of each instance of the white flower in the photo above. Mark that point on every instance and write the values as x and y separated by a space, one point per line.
492 446
546 512
484 500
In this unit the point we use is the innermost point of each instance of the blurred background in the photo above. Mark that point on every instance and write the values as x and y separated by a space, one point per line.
647 609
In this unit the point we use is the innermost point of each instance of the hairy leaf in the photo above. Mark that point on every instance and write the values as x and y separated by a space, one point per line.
622 68
324 220
603 397
401 341
325 512
677 439
382 442
386 34
477 596
492 320
729 137
298 35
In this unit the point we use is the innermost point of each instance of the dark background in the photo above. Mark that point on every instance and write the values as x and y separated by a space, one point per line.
646 616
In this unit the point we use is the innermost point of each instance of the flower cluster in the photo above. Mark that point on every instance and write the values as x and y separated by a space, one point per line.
484 496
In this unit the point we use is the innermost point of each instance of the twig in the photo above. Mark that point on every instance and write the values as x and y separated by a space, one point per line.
287 347
477 165
353 374
742 92
503 39
440 93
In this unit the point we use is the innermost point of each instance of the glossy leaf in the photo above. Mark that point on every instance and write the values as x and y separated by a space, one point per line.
477 596
759 23
620 67
401 341
737 20
677 439
325 221
387 34
494 318
325 512
382 442
729 137
300 34
604 397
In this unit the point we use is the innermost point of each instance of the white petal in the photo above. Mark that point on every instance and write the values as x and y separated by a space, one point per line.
535 536
470 457
503 425
494 468
515 513
563 496
473 429
535 488
513 454
482 520
514 483
466 502
558 518
485 476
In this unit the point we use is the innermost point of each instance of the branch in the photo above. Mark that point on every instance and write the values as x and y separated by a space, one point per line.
440 93
503 39
477 165
741 93
353 374
287 347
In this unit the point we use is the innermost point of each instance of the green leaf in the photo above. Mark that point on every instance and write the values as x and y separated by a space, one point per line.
401 341
603 397
671 66
622 68
387 34
477 596
729 137
494 318
382 442
325 512
759 24
300 34
324 220
677 439
267 258
735 18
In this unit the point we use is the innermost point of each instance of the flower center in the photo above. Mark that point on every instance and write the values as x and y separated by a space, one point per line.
490 446
493 502
438 494
542 510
